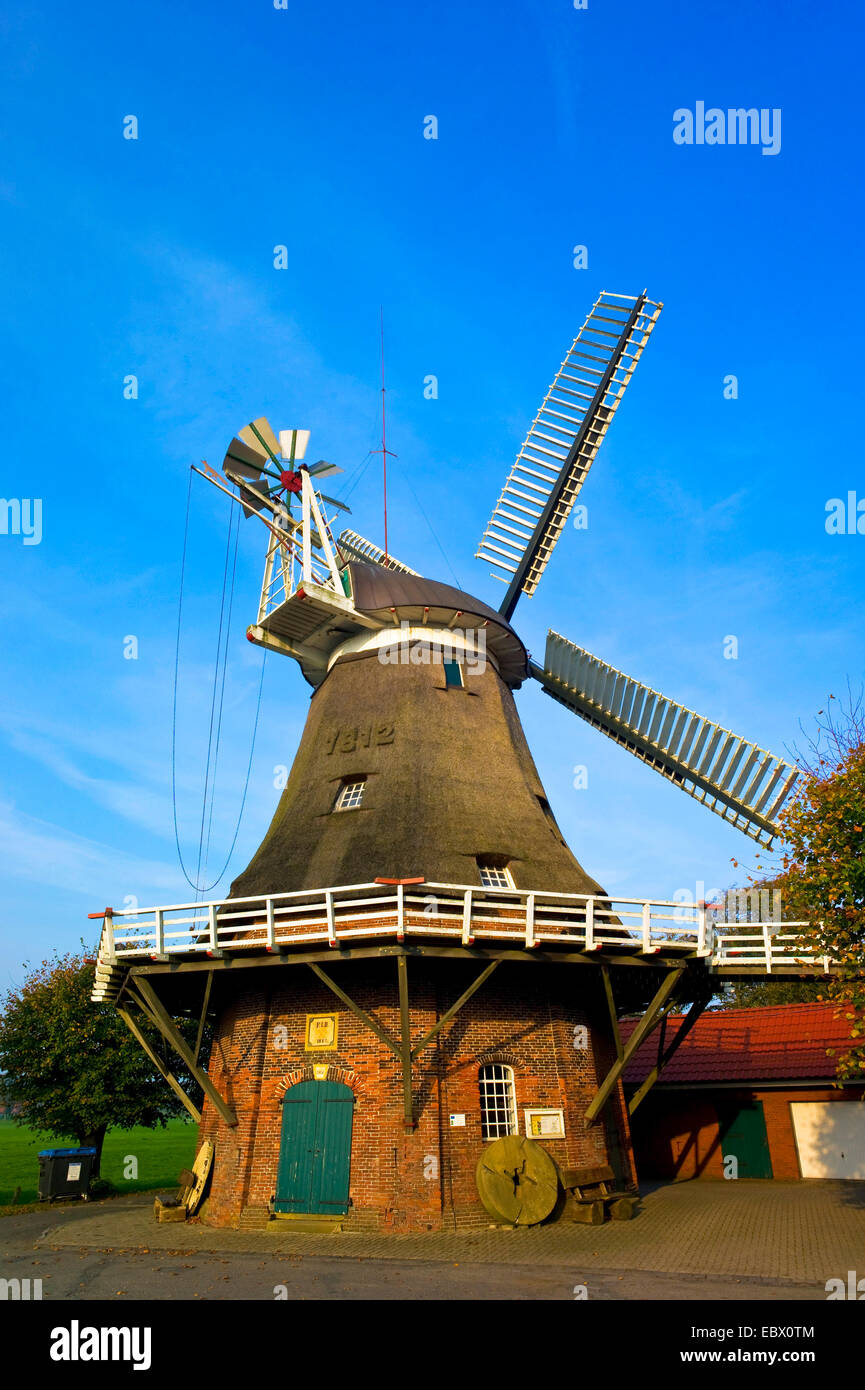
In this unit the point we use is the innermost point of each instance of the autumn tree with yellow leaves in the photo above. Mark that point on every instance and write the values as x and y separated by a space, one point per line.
822 868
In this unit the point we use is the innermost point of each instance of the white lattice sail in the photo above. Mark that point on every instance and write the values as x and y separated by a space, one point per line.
743 783
564 438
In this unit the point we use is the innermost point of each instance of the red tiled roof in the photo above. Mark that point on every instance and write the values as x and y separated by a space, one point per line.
773 1043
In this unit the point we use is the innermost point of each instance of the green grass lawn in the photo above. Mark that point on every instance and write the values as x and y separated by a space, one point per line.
160 1154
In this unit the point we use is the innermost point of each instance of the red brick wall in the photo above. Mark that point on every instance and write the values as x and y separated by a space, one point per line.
523 1016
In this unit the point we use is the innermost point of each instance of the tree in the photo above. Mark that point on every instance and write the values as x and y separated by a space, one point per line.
750 994
72 1065
822 870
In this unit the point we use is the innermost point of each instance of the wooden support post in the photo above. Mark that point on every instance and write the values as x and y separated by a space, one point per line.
530 920
331 922
405 1040
611 1005
109 953
454 1009
163 1070
645 1026
212 935
176 1040
207 988
159 935
590 925
647 947
467 937
704 945
665 1054
271 926
355 1008
141 1001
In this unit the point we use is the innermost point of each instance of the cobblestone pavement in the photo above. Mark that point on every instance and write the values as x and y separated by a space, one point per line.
795 1235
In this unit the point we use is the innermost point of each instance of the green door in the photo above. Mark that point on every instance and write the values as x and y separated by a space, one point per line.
743 1133
315 1152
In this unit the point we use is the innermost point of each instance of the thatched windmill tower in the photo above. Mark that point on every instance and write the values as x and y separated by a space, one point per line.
414 963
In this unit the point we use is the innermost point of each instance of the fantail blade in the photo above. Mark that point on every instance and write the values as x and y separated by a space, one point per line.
323 468
334 503
293 444
241 459
261 438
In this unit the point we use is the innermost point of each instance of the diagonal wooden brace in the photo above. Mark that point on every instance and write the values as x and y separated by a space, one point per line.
356 1009
611 1007
690 1019
175 1039
651 1018
454 1008
202 1019
163 1070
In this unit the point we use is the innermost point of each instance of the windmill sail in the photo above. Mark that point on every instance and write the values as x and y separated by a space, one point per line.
744 784
561 445
354 547
261 439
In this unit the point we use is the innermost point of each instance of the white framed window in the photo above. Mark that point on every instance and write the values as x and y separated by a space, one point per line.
498 1102
350 795
493 877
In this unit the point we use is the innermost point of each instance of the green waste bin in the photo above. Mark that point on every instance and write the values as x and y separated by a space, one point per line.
65 1173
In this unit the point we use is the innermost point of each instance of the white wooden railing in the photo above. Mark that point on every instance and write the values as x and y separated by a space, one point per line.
467 914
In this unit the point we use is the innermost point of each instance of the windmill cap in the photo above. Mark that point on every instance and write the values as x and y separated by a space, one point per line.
385 593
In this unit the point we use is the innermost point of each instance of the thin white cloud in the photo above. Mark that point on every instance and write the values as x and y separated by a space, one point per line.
136 803
37 851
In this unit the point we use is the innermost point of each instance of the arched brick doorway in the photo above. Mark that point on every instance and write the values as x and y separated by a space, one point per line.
315 1149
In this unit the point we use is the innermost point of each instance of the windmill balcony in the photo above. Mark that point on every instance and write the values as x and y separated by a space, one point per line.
448 913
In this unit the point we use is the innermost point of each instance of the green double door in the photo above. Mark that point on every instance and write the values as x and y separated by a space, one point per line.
315 1151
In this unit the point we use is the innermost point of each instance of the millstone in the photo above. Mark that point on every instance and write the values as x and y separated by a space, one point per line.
517 1180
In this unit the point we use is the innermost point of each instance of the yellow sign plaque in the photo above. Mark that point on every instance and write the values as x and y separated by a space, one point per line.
545 1124
319 1071
321 1032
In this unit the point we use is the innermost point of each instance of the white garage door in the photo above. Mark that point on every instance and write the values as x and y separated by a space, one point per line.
830 1137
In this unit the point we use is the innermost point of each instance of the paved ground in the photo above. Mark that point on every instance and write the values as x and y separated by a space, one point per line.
700 1240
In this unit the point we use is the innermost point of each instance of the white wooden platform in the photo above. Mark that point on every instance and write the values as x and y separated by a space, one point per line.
458 914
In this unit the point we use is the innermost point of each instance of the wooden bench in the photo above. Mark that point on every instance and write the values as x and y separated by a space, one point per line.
591 1194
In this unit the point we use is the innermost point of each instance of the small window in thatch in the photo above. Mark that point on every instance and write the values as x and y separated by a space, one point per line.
453 673
495 875
350 795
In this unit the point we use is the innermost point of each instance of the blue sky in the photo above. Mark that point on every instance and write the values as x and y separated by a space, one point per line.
304 127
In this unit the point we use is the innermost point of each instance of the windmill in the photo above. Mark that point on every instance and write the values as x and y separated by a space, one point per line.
413 828
743 783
